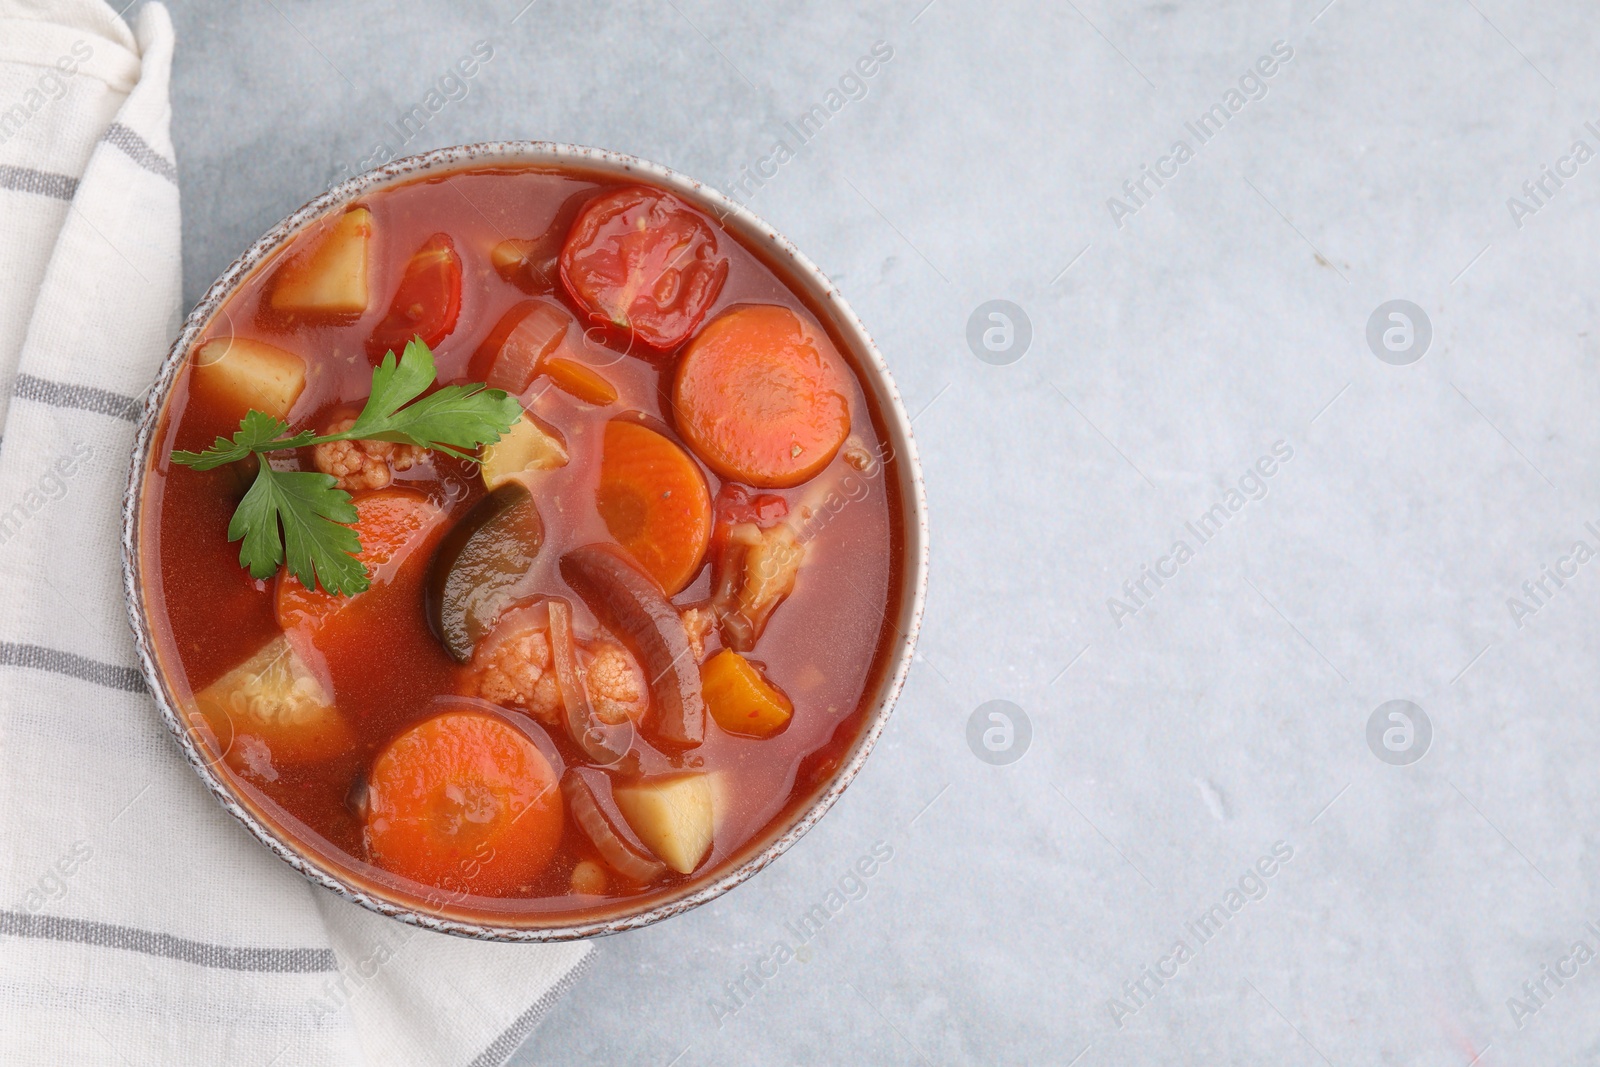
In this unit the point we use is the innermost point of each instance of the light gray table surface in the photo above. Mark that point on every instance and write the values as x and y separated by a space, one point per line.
1175 341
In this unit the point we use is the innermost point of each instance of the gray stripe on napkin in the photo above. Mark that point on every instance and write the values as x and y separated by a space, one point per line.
140 151
501 1048
62 395
28 180
58 662
151 943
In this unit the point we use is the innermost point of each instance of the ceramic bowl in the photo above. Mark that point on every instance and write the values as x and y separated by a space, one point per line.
905 615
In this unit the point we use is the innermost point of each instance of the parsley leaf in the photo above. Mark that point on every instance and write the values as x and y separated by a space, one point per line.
256 430
457 416
395 386
299 517
320 549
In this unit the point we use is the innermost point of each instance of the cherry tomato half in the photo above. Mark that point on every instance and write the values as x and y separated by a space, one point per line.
645 262
427 302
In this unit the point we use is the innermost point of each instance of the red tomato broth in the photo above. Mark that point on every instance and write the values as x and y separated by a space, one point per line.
825 646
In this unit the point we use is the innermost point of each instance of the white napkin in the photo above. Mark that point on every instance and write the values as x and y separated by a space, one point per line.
139 924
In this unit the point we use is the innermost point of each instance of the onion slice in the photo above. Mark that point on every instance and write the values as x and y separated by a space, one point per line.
632 605
601 742
588 794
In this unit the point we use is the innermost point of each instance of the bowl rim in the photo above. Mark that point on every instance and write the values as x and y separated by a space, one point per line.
876 377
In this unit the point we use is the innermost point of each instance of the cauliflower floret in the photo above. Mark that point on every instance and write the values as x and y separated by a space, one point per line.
359 465
697 623
614 685
516 671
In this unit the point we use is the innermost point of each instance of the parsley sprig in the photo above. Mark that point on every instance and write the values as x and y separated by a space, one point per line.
299 515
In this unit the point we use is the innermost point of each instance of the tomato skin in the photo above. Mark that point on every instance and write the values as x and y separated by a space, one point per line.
427 303
735 504
642 261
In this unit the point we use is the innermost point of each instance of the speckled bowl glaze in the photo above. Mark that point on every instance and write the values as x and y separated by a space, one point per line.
905 616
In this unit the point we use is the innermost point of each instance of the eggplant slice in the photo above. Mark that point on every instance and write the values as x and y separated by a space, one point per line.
477 566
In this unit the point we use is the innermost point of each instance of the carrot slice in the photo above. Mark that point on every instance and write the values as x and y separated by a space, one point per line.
583 382
741 699
391 524
761 397
466 802
654 501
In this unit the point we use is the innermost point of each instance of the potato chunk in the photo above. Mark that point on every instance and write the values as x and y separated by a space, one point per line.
722 794
272 710
245 374
673 816
588 878
527 446
330 276
741 699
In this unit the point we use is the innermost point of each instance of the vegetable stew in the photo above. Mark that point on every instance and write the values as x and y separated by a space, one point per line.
519 543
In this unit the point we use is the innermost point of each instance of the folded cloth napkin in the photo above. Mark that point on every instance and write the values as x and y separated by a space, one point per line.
139 924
